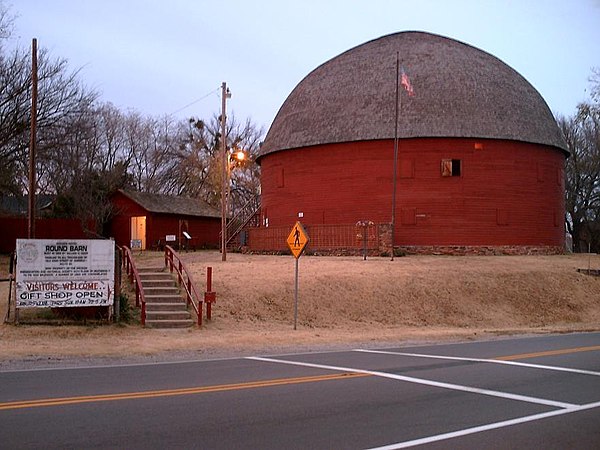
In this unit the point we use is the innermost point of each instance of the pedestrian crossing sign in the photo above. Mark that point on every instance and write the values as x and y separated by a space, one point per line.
297 240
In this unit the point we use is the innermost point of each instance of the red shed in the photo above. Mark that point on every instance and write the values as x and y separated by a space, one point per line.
480 156
151 220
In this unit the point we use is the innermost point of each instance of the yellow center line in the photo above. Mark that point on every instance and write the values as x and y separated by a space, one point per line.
240 386
174 392
564 351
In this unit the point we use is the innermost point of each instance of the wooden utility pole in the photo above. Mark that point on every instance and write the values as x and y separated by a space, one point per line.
32 175
225 94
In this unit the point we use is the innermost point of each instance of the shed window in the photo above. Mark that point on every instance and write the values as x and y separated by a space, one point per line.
451 167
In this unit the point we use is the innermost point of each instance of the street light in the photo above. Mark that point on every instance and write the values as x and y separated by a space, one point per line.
238 156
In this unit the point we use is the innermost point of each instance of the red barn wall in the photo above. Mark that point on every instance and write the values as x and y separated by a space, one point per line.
508 193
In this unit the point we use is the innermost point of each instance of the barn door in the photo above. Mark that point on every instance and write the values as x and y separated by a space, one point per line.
138 232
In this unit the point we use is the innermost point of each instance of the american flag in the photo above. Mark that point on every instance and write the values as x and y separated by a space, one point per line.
405 82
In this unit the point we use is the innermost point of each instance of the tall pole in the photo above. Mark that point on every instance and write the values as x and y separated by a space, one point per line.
224 177
394 176
32 175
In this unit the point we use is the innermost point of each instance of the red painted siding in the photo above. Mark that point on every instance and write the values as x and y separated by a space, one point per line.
508 193
120 225
45 228
204 230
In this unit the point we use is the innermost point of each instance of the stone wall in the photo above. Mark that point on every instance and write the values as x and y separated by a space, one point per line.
481 250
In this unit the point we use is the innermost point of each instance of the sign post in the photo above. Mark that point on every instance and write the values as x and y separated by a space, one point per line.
297 241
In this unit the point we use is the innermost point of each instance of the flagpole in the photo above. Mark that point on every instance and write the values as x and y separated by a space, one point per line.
394 177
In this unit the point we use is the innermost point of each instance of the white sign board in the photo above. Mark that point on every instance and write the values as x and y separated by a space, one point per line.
170 238
59 273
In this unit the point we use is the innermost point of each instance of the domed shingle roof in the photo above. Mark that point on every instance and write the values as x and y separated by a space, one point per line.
460 91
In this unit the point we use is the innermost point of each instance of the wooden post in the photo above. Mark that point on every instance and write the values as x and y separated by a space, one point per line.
189 292
224 180
209 295
32 141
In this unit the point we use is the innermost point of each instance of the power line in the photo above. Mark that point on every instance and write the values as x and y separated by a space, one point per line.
194 102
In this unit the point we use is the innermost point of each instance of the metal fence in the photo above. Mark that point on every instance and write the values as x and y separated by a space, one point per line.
321 238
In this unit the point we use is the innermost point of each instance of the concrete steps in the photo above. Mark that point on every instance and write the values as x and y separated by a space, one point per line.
165 307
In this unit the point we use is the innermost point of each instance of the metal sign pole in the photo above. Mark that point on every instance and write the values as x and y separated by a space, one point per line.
296 296
394 174
296 241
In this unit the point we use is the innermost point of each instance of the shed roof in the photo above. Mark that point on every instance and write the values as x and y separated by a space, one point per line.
460 91
19 205
166 204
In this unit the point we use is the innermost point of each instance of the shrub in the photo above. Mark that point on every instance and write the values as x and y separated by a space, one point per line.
124 309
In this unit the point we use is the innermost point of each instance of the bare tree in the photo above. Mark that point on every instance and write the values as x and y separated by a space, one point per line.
61 98
166 139
140 143
245 176
84 160
582 134
7 21
114 148
199 172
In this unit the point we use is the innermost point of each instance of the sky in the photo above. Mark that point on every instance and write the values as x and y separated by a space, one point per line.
170 57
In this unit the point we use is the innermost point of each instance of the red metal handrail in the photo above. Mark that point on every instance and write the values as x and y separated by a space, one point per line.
134 278
184 278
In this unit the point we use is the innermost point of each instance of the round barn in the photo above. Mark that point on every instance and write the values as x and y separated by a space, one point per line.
480 158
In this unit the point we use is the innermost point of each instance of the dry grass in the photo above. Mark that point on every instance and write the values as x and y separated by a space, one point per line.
343 300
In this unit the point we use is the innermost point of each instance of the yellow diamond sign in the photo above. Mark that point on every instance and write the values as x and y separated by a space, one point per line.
297 240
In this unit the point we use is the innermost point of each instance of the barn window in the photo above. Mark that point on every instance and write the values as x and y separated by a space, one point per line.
280 177
451 167
502 217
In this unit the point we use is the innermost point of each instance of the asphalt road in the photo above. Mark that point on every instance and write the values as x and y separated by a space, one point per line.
536 392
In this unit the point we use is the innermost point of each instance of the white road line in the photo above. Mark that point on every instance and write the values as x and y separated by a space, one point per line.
490 426
455 387
493 361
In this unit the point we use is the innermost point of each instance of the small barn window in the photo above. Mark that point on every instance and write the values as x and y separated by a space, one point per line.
502 217
451 167
280 177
